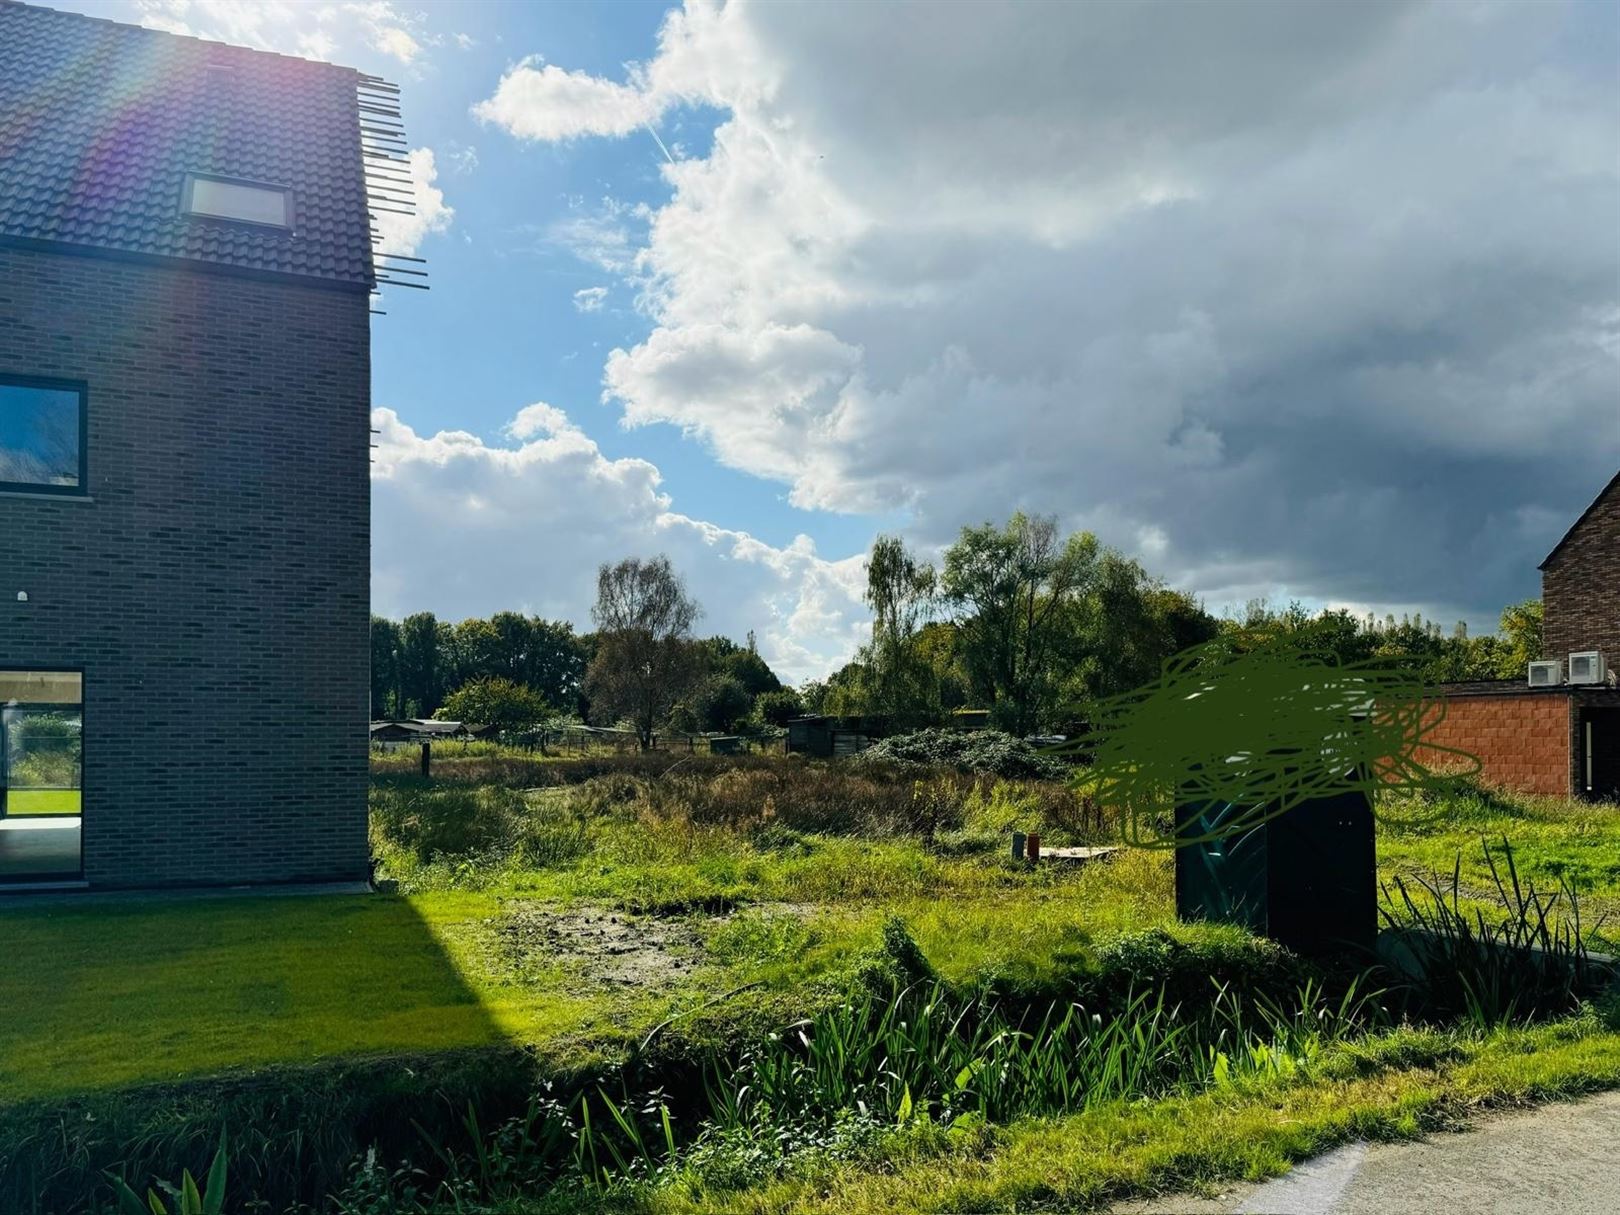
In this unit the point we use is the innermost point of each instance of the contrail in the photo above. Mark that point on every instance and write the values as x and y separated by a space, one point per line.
659 142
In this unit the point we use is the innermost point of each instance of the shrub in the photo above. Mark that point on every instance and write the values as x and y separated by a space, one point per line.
985 752
1192 972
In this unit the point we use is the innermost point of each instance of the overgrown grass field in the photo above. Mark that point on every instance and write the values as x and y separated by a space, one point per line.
629 918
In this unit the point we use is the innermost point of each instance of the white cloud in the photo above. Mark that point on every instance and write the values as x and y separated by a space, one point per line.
1299 296
314 31
462 527
589 299
396 42
465 41
605 236
404 234
541 101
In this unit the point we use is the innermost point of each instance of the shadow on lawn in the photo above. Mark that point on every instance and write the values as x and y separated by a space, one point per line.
310 1026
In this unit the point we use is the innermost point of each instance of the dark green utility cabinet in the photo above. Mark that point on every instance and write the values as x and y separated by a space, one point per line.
1307 878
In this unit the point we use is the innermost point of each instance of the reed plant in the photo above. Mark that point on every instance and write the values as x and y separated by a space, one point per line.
1513 953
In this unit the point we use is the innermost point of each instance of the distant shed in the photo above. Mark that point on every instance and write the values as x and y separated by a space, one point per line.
827 737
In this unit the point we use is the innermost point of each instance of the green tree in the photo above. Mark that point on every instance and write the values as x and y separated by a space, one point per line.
937 644
1520 632
778 708
752 672
813 696
495 701
420 673
900 591
556 662
719 702
844 693
1015 589
645 661
471 651
384 668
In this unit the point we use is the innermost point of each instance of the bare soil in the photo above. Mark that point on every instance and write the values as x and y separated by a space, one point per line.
607 948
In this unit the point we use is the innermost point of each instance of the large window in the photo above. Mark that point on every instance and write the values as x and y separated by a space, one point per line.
41 774
42 433
245 202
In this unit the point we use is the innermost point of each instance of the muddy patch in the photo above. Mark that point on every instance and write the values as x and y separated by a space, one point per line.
601 946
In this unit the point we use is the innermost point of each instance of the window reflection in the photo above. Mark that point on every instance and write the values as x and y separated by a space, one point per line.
40 433
41 774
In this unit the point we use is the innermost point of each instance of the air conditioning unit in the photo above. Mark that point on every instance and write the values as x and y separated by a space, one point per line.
1547 674
1586 666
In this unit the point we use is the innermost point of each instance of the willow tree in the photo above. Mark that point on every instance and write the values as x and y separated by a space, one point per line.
1016 589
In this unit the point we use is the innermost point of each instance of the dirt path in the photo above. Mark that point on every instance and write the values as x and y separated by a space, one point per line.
1558 1158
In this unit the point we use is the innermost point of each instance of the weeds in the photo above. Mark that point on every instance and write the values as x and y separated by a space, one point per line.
1531 961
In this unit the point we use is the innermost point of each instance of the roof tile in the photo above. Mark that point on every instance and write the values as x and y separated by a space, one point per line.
100 123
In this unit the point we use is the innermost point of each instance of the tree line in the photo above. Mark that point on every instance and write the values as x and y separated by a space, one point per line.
640 666
1018 618
1036 626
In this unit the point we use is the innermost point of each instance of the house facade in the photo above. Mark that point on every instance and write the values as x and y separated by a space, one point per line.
1562 740
185 269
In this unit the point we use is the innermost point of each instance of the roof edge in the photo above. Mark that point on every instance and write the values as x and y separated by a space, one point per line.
1575 526
162 33
193 265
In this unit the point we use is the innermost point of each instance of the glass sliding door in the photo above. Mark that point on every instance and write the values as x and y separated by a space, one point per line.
41 774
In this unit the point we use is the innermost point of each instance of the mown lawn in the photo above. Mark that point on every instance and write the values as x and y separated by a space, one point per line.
42 801
101 994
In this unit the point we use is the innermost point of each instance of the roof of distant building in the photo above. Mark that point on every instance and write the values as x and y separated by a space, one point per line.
101 123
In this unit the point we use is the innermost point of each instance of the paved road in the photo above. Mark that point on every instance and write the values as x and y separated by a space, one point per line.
1559 1158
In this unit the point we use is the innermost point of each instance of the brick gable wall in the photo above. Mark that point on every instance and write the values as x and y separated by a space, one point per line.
215 586
1580 585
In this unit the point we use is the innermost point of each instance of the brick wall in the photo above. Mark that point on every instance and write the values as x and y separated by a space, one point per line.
215 586
1523 739
1580 585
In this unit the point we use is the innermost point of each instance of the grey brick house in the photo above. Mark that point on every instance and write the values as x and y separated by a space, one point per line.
185 267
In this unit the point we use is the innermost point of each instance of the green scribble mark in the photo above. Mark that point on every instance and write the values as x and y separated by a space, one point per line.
1257 725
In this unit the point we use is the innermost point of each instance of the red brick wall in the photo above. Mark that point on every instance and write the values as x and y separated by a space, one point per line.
1523 740
1580 586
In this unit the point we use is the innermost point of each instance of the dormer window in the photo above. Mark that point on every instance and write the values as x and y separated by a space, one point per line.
243 202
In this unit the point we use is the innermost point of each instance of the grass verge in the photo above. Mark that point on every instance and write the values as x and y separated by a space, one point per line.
1396 1085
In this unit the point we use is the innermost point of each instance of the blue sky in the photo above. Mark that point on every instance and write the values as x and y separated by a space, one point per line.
1300 300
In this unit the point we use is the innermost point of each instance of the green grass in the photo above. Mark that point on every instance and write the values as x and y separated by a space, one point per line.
577 919
101 995
107 994
42 801
1553 840
1397 1085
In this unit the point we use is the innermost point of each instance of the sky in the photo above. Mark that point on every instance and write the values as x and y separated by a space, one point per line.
1287 300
